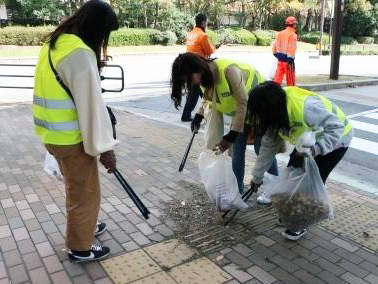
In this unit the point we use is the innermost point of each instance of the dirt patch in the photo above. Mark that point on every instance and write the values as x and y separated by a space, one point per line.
193 213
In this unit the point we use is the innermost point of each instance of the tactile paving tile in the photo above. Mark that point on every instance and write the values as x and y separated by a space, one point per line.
341 204
170 253
130 267
158 278
368 238
199 271
352 222
244 226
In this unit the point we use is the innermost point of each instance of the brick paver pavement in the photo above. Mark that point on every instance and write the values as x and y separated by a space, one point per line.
32 223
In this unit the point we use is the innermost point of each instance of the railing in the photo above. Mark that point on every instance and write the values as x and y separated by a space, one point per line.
103 78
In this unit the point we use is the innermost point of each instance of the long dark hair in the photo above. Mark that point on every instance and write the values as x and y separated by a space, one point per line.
184 66
93 23
267 108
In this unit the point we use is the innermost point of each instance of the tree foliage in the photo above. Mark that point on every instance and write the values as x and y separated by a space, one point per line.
360 16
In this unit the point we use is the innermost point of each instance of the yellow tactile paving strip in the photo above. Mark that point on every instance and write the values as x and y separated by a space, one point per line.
164 263
199 271
170 253
368 238
158 278
130 267
352 222
341 204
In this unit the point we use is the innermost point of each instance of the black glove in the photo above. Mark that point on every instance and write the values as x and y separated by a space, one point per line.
231 136
196 122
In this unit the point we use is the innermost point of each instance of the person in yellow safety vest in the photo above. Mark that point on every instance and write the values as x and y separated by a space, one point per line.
284 48
286 113
76 128
225 83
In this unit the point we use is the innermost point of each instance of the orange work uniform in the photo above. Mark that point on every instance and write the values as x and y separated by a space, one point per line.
197 41
284 49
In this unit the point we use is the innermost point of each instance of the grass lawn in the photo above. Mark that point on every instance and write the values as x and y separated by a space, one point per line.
32 51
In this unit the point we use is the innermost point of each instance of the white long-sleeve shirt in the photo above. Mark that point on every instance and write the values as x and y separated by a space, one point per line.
80 74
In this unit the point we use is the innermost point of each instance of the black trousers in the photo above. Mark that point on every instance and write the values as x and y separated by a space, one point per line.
326 163
191 101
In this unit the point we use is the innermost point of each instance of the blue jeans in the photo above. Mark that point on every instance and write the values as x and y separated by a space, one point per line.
238 157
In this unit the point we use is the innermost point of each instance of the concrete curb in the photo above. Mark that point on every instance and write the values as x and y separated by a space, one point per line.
338 85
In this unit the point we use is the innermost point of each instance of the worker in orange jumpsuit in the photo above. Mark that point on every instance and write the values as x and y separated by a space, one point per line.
284 49
197 41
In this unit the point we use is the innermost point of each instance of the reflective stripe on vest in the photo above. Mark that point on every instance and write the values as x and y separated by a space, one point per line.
57 126
226 101
55 115
53 104
296 98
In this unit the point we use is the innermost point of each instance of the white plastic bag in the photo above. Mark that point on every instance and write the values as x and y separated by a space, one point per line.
300 196
51 166
272 70
220 181
214 128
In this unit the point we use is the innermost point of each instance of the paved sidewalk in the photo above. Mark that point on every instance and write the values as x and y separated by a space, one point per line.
162 249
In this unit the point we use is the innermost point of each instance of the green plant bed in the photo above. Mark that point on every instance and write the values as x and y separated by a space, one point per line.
126 36
25 35
358 49
263 38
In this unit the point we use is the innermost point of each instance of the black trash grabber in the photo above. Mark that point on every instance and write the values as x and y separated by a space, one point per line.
183 161
245 198
142 208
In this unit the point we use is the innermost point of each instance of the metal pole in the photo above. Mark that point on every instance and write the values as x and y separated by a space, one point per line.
322 27
336 41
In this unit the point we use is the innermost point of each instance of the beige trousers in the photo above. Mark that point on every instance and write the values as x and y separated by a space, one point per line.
83 193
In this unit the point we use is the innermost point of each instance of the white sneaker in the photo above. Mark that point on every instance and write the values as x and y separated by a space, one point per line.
263 199
293 236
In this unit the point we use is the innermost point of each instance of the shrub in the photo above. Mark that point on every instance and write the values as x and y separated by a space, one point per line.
263 38
25 35
376 40
226 36
245 37
348 40
126 36
213 36
169 38
365 40
314 37
271 33
236 36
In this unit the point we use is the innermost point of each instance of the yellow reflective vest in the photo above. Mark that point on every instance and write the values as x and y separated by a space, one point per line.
226 101
55 116
296 99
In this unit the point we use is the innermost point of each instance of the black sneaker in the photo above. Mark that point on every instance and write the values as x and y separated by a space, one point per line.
293 236
100 228
97 252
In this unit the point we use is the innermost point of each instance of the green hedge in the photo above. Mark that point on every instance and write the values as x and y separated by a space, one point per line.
264 38
236 36
213 36
365 40
24 35
314 37
127 36
348 40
